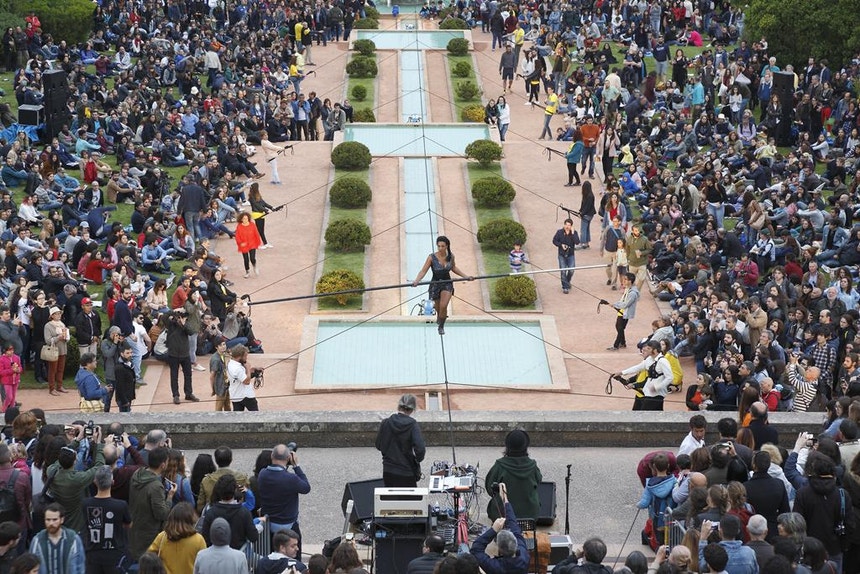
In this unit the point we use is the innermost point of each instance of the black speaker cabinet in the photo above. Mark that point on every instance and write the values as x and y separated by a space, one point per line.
55 102
361 493
546 493
29 115
55 80
398 541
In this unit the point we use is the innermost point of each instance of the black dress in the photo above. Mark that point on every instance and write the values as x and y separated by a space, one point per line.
442 274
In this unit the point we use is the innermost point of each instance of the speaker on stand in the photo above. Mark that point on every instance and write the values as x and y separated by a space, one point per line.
783 87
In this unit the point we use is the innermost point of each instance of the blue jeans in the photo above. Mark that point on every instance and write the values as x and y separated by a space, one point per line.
585 229
547 118
566 274
588 156
192 223
718 211
503 129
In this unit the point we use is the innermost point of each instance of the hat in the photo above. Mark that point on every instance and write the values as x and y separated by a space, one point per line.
219 532
86 301
721 117
85 224
517 443
765 231
194 90
54 310
407 402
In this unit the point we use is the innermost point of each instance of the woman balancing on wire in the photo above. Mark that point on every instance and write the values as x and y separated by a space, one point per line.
441 287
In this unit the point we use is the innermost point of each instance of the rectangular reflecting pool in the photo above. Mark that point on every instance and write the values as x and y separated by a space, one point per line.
409 352
444 140
410 39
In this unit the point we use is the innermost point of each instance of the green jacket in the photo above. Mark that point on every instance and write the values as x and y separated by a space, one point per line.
522 477
149 506
643 245
70 488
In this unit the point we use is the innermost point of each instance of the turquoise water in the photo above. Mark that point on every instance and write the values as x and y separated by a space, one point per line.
409 39
421 230
408 353
444 140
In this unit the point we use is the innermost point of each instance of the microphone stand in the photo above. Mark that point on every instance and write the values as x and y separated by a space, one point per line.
567 501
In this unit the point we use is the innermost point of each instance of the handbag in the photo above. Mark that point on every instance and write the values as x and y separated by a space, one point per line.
91 406
50 353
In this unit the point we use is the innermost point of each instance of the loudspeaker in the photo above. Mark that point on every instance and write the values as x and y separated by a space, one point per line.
546 494
398 541
55 103
55 80
31 115
361 493
54 124
783 86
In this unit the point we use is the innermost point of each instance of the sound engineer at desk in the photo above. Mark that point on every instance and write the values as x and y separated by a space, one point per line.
513 555
520 473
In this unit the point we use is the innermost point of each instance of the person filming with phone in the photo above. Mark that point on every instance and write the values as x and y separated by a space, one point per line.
239 379
805 383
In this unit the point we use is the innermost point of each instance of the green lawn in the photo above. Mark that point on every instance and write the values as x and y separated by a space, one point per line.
369 102
459 103
350 261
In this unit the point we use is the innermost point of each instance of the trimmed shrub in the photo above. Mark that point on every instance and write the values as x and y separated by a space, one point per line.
69 20
364 46
516 291
358 93
371 12
473 113
467 91
351 156
454 24
485 152
350 192
458 46
364 115
340 280
366 24
462 69
347 235
499 234
362 67
443 13
493 192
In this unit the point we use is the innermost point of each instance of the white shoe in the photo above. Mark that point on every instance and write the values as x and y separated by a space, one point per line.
256 271
198 367
269 246
247 274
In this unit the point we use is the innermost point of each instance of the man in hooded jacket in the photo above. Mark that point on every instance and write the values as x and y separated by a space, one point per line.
402 446
520 473
220 558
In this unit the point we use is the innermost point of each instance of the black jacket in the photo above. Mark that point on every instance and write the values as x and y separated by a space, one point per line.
769 498
763 433
819 503
87 327
424 564
242 527
402 446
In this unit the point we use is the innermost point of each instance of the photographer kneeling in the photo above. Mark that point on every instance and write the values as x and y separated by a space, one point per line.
239 377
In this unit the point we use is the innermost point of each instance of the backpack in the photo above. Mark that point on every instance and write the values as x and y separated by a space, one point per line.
9 509
677 372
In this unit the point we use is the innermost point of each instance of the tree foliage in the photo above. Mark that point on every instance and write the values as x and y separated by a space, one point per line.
797 30
70 20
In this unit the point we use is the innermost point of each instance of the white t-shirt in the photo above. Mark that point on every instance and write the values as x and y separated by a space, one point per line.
141 334
236 374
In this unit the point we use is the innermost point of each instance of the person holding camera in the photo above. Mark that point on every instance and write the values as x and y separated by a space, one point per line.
69 487
279 491
512 554
239 378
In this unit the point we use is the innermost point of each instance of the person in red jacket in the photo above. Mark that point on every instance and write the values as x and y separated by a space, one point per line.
95 268
248 241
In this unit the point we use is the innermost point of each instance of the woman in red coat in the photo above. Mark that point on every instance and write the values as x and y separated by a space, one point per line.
248 241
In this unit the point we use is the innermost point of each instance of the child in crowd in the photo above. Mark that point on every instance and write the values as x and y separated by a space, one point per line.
621 260
517 257
10 374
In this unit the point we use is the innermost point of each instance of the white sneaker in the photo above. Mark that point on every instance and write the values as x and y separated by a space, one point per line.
256 271
269 246
197 367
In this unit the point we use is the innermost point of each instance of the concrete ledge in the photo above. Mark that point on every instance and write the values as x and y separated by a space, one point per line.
471 428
